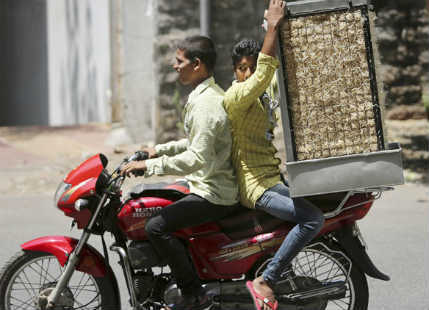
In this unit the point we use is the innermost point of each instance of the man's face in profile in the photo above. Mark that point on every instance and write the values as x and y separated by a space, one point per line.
185 68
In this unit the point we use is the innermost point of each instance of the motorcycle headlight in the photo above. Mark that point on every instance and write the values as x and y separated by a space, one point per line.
62 187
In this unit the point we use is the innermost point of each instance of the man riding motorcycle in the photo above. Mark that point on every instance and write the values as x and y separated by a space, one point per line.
203 157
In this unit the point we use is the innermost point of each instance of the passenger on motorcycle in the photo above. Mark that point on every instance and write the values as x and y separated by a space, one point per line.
204 157
251 113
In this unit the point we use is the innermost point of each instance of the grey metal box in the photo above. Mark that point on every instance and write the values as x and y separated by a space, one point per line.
344 173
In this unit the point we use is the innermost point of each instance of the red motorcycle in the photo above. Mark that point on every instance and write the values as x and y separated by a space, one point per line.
58 272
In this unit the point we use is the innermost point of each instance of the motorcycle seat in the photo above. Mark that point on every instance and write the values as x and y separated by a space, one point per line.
170 191
245 222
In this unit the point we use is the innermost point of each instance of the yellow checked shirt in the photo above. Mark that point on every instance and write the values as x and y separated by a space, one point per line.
204 157
253 155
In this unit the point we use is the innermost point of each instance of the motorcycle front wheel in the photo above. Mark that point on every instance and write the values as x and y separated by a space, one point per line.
28 277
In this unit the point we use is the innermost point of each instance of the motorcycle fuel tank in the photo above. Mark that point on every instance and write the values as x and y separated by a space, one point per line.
134 214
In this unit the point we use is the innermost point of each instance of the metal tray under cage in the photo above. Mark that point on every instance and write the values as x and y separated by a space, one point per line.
330 99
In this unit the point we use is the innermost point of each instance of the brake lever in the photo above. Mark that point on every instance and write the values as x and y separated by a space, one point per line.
117 183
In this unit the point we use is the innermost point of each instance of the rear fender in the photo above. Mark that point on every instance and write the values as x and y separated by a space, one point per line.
354 248
91 261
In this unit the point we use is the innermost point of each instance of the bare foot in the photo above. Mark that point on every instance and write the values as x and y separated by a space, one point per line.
261 287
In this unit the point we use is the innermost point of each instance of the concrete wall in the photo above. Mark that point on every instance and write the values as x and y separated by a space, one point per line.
137 68
79 61
23 63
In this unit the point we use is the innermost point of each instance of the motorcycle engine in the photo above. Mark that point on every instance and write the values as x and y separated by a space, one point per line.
142 255
172 294
143 283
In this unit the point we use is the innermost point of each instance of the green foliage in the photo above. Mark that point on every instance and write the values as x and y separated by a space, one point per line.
425 100
163 49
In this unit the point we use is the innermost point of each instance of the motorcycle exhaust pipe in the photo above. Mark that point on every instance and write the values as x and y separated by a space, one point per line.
234 295
128 273
229 295
329 291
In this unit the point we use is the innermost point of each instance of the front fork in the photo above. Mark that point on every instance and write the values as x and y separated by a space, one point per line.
74 258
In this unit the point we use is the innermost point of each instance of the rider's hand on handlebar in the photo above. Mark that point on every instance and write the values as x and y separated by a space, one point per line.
137 168
151 151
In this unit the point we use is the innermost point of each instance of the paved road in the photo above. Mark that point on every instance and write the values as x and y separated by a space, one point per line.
397 235
26 218
396 232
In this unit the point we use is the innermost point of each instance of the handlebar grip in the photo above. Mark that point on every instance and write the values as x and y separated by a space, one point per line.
138 173
139 155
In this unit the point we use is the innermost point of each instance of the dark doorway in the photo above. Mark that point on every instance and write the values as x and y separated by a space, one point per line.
24 93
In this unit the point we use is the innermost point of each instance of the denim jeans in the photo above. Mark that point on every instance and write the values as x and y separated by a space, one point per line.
308 218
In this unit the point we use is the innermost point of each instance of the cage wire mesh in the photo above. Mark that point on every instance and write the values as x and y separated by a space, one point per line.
330 85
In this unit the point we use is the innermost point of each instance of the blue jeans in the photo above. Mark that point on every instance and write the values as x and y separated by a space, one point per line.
308 218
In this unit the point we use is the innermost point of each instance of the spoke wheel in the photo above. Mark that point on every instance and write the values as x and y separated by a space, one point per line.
29 277
329 264
320 263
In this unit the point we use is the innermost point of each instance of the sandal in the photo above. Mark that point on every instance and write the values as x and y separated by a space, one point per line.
256 298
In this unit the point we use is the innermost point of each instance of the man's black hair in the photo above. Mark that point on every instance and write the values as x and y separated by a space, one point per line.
199 47
246 47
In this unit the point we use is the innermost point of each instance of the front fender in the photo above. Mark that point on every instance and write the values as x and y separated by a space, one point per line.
91 261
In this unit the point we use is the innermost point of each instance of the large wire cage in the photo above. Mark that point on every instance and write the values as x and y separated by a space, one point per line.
331 97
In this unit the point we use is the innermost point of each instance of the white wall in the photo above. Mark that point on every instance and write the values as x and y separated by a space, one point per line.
78 61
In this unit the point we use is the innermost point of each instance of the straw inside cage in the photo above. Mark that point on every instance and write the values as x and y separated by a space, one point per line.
330 89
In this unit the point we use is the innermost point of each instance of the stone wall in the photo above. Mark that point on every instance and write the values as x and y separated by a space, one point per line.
403 32
231 21
175 20
403 39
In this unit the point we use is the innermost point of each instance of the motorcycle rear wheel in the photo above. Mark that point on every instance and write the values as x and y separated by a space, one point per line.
29 276
327 262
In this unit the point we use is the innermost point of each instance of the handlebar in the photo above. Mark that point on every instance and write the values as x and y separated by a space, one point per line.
138 156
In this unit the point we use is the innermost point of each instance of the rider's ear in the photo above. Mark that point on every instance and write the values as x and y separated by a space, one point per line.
197 64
